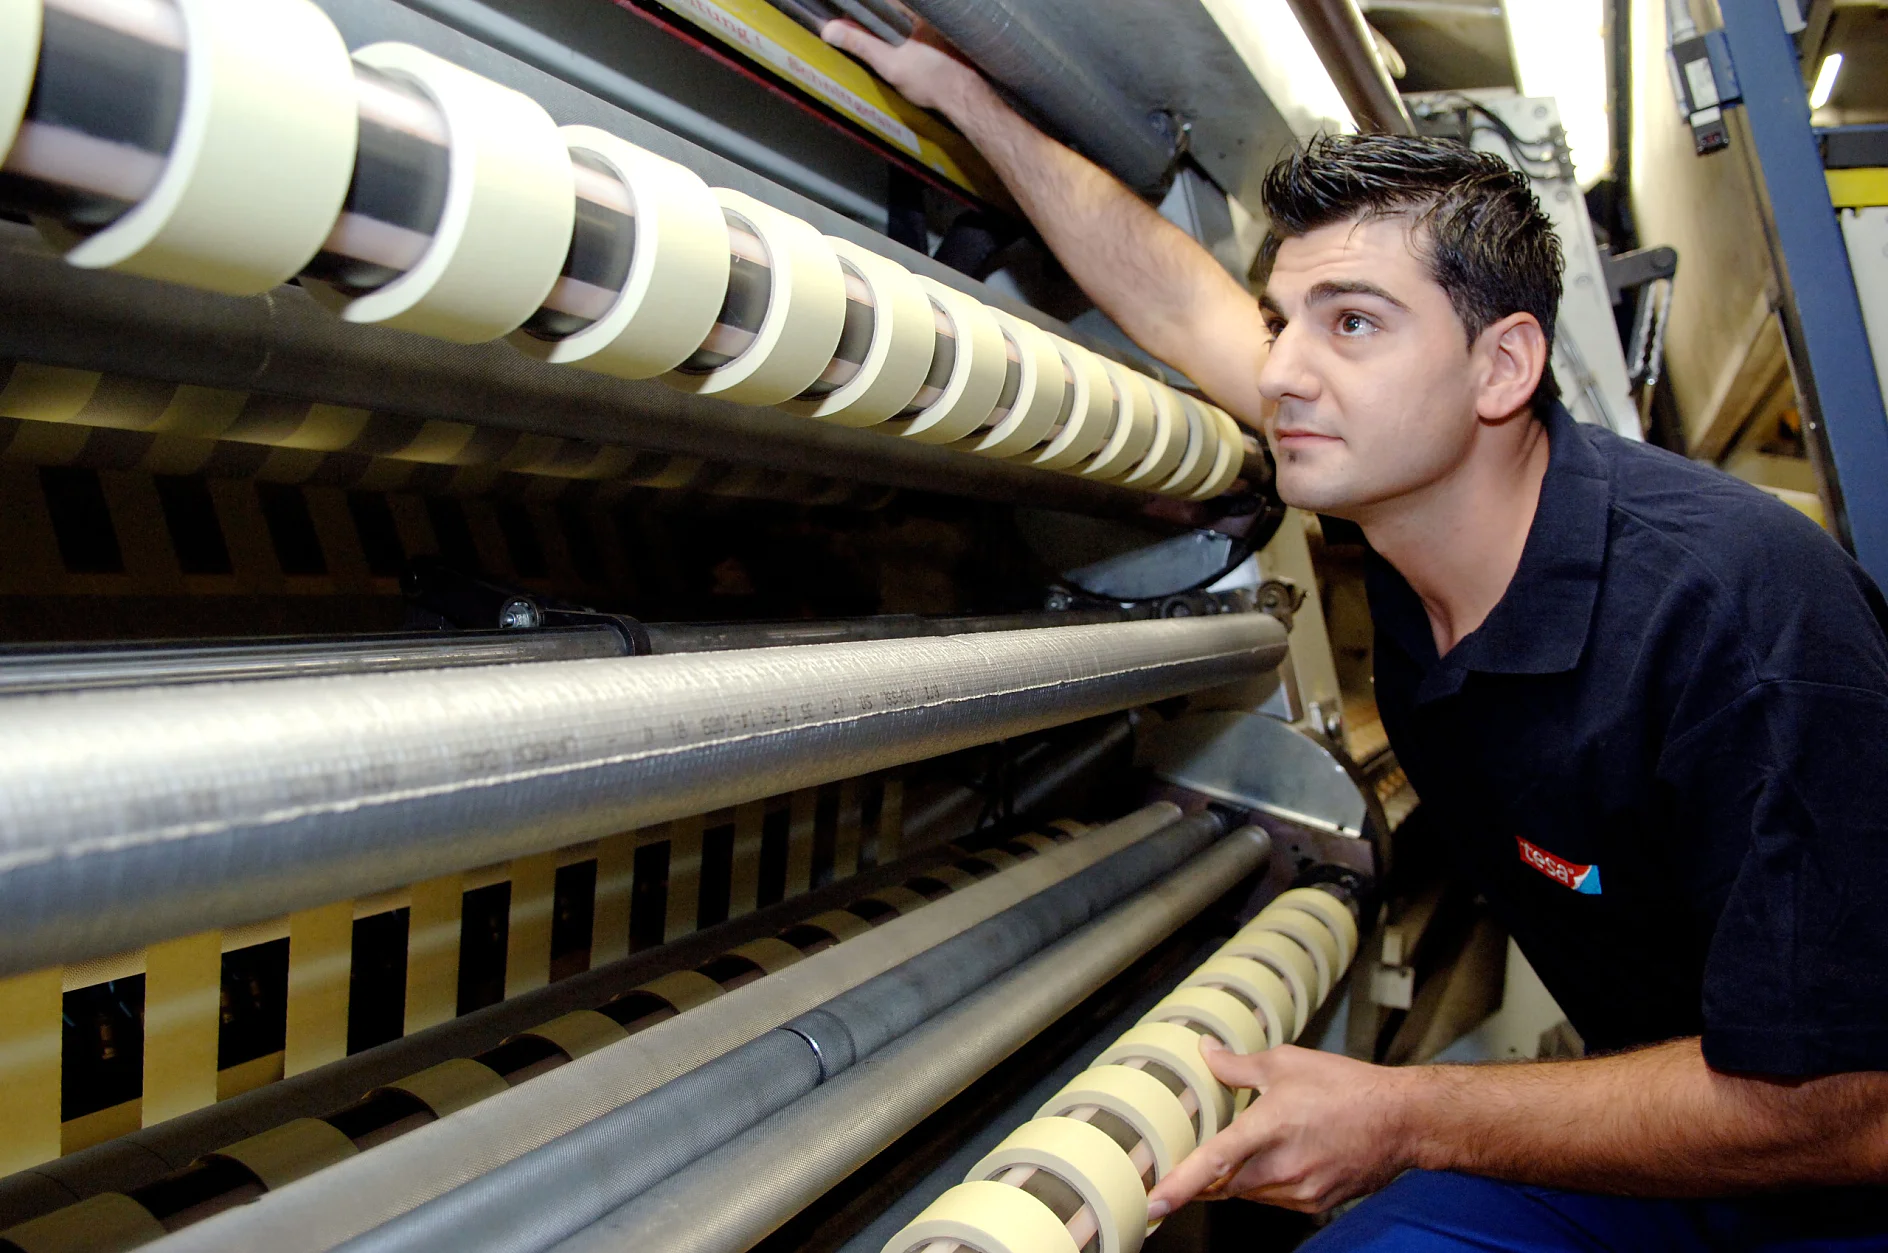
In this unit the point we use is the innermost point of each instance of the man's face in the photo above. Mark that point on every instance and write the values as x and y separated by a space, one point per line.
1370 390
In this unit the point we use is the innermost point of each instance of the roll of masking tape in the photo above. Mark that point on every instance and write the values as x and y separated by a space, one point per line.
952 877
451 1085
678 270
1133 425
20 26
505 228
1310 934
1202 450
1137 1099
1178 1049
1287 961
292 1151
683 989
1041 385
806 311
1258 987
1233 1022
840 924
899 354
110 1220
1087 415
1335 913
1083 1157
1229 461
989 1217
1169 444
979 362
900 898
579 1032
261 159
770 953
1036 840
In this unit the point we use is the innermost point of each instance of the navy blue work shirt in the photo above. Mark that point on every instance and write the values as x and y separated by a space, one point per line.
1663 759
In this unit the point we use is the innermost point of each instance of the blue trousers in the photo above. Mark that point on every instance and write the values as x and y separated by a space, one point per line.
1437 1212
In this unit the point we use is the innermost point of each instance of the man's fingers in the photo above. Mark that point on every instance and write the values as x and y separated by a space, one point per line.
1208 1165
848 36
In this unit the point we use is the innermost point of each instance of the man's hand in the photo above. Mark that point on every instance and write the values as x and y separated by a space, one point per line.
924 69
1321 1130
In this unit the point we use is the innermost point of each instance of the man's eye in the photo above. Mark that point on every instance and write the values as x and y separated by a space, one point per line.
1354 324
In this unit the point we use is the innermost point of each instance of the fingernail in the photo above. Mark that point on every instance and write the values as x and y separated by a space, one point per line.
1157 1210
1209 1045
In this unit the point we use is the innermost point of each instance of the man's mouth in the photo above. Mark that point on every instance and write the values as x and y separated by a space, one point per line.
1294 437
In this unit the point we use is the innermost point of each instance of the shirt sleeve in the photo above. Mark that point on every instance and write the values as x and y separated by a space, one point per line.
1781 799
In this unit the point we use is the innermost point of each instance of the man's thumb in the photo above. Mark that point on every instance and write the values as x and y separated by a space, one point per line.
1235 1070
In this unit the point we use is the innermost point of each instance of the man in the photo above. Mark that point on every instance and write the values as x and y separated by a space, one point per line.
1647 703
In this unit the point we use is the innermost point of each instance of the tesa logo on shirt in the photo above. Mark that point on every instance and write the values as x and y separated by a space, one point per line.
1583 879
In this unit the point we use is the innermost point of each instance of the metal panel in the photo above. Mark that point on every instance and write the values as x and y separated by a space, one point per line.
1835 374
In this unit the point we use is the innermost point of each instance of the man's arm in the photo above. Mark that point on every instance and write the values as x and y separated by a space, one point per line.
1654 1122
1155 281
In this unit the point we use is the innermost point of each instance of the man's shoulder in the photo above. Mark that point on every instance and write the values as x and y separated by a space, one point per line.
1694 519
1695 551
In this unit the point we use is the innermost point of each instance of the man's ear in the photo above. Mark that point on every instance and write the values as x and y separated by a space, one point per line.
1511 354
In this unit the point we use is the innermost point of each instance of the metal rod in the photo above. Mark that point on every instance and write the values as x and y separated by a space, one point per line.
734 1197
129 816
555 1190
356 1195
1343 41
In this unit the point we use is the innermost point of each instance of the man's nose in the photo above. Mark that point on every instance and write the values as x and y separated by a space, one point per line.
1286 372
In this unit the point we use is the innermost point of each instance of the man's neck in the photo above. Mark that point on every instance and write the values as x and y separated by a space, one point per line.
1458 542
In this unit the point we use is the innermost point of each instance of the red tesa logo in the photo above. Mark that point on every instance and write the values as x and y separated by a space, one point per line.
1583 879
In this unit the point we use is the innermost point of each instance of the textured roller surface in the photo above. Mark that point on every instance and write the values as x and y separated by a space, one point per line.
130 816
391 1179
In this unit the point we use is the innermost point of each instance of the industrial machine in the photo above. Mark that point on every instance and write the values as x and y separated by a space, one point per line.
571 674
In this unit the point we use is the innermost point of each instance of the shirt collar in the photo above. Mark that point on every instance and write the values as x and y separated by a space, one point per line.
1541 623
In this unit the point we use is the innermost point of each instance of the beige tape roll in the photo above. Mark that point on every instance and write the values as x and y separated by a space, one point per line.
1228 463
1178 1049
511 205
1036 840
1090 404
840 924
683 989
452 1085
1334 913
951 877
977 371
1287 961
806 311
1069 825
677 274
1137 1099
580 1031
1269 995
20 26
1310 934
262 157
1133 430
998 858
1169 444
900 898
770 953
1086 1159
1215 1009
989 1217
1038 395
903 336
283 1154
99 1224
1203 435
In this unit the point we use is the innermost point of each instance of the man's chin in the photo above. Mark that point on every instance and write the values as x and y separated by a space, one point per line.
1323 498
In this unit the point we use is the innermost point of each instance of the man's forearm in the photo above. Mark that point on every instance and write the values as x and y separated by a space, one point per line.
1657 1121
1142 270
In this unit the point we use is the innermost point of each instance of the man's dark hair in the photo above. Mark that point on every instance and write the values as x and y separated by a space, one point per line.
1474 219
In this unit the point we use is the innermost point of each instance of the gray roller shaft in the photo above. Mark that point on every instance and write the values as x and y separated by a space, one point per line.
555 1190
343 1201
734 1197
128 817
1005 42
